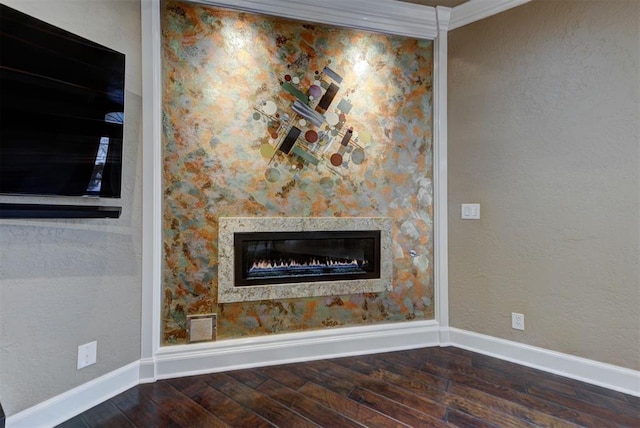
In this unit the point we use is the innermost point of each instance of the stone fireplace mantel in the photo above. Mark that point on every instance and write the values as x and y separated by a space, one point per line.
228 226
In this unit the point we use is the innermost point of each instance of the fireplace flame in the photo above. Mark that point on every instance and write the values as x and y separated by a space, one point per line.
291 263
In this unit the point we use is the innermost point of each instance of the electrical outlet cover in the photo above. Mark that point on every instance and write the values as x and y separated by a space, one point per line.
87 354
517 321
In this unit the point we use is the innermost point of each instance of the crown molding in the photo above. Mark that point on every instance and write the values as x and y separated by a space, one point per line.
475 10
392 17
443 17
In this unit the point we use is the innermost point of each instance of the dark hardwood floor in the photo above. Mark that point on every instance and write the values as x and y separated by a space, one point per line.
418 388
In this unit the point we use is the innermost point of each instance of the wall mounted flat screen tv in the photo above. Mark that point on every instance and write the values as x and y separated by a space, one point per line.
61 111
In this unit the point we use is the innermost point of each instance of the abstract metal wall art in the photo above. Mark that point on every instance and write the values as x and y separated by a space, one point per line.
306 130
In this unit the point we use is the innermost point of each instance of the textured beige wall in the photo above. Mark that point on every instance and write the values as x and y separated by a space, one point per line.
64 283
544 133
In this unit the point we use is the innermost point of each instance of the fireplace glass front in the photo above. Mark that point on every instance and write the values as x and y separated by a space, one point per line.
262 258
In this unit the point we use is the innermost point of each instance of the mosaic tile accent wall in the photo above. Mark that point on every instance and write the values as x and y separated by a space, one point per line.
236 87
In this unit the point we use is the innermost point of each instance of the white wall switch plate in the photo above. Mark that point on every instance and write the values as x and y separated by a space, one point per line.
87 354
471 211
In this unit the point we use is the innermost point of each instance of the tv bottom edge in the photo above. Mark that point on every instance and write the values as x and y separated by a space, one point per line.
15 210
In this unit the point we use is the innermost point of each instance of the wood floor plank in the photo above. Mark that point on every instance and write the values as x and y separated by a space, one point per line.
141 410
561 384
313 371
181 383
76 422
486 411
407 415
350 408
180 408
442 356
526 400
406 397
284 376
305 406
225 409
460 419
553 385
437 366
512 382
368 377
386 377
481 365
331 369
414 374
414 355
633 401
612 418
505 406
250 377
615 402
487 380
426 391
273 411
107 415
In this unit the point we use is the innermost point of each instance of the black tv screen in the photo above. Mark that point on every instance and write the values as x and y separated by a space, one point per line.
61 111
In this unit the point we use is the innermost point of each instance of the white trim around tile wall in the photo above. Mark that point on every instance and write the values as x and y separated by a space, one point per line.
388 17
440 221
152 188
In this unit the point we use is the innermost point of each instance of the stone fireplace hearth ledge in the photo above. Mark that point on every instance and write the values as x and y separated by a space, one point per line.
228 226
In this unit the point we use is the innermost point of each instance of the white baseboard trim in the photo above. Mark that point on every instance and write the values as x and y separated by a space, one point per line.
445 337
582 369
75 401
188 360
147 370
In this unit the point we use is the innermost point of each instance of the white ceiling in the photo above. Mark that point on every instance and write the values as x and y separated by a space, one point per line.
446 3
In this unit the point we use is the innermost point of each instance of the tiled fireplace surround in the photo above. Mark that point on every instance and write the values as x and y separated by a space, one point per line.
229 226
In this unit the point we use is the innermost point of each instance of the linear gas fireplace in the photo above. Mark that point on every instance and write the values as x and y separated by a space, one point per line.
270 258
305 256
